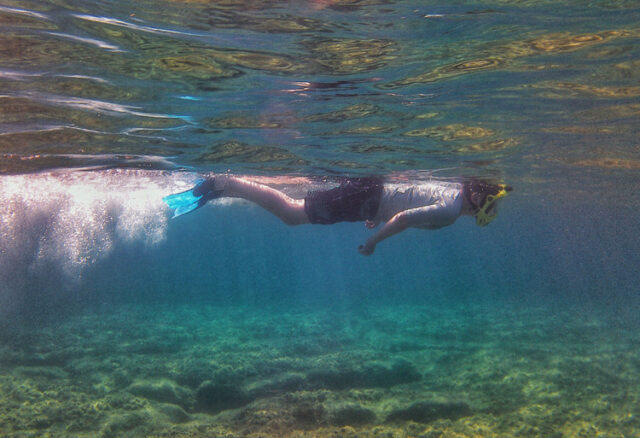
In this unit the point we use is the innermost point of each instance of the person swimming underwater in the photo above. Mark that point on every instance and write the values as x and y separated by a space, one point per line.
397 205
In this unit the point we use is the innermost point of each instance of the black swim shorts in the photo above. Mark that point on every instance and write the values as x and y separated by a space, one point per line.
354 200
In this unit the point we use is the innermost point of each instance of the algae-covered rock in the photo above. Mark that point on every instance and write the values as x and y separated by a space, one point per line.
288 382
352 415
309 414
173 412
215 397
124 400
427 411
368 376
47 372
123 423
162 390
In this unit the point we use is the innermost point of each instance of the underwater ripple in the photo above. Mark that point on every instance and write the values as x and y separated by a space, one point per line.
216 72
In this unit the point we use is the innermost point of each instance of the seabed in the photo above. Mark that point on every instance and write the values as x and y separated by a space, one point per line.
400 371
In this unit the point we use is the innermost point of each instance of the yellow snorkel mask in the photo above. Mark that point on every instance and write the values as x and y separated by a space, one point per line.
489 211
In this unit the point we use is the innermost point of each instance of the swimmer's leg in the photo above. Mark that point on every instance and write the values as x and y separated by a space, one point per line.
289 210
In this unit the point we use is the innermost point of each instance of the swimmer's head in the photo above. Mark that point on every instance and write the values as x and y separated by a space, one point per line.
483 197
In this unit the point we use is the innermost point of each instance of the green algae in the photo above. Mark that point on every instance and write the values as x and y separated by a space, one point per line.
397 372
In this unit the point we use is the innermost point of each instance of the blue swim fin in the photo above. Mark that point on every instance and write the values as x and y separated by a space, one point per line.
186 202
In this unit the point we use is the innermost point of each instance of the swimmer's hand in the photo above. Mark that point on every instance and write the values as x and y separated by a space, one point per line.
367 249
370 224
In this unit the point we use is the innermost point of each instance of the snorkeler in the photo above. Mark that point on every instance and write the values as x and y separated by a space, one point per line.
397 205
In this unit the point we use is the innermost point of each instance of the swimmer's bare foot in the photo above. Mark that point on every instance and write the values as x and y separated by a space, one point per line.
207 189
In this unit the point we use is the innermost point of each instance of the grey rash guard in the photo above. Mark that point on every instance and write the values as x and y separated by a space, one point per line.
444 197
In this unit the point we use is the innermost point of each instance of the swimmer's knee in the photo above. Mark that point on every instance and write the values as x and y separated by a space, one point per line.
295 219
296 214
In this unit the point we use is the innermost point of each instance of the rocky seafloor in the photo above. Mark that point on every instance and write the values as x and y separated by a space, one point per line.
400 371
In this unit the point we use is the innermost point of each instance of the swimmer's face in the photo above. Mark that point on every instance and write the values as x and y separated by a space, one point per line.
476 199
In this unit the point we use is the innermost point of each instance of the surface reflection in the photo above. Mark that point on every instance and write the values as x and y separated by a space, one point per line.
311 86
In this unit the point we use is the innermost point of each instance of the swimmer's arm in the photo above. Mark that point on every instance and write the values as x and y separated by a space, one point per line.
412 217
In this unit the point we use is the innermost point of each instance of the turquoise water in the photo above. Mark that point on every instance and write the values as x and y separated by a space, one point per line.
117 320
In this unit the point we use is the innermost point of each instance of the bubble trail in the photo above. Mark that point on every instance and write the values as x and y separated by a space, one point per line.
56 224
